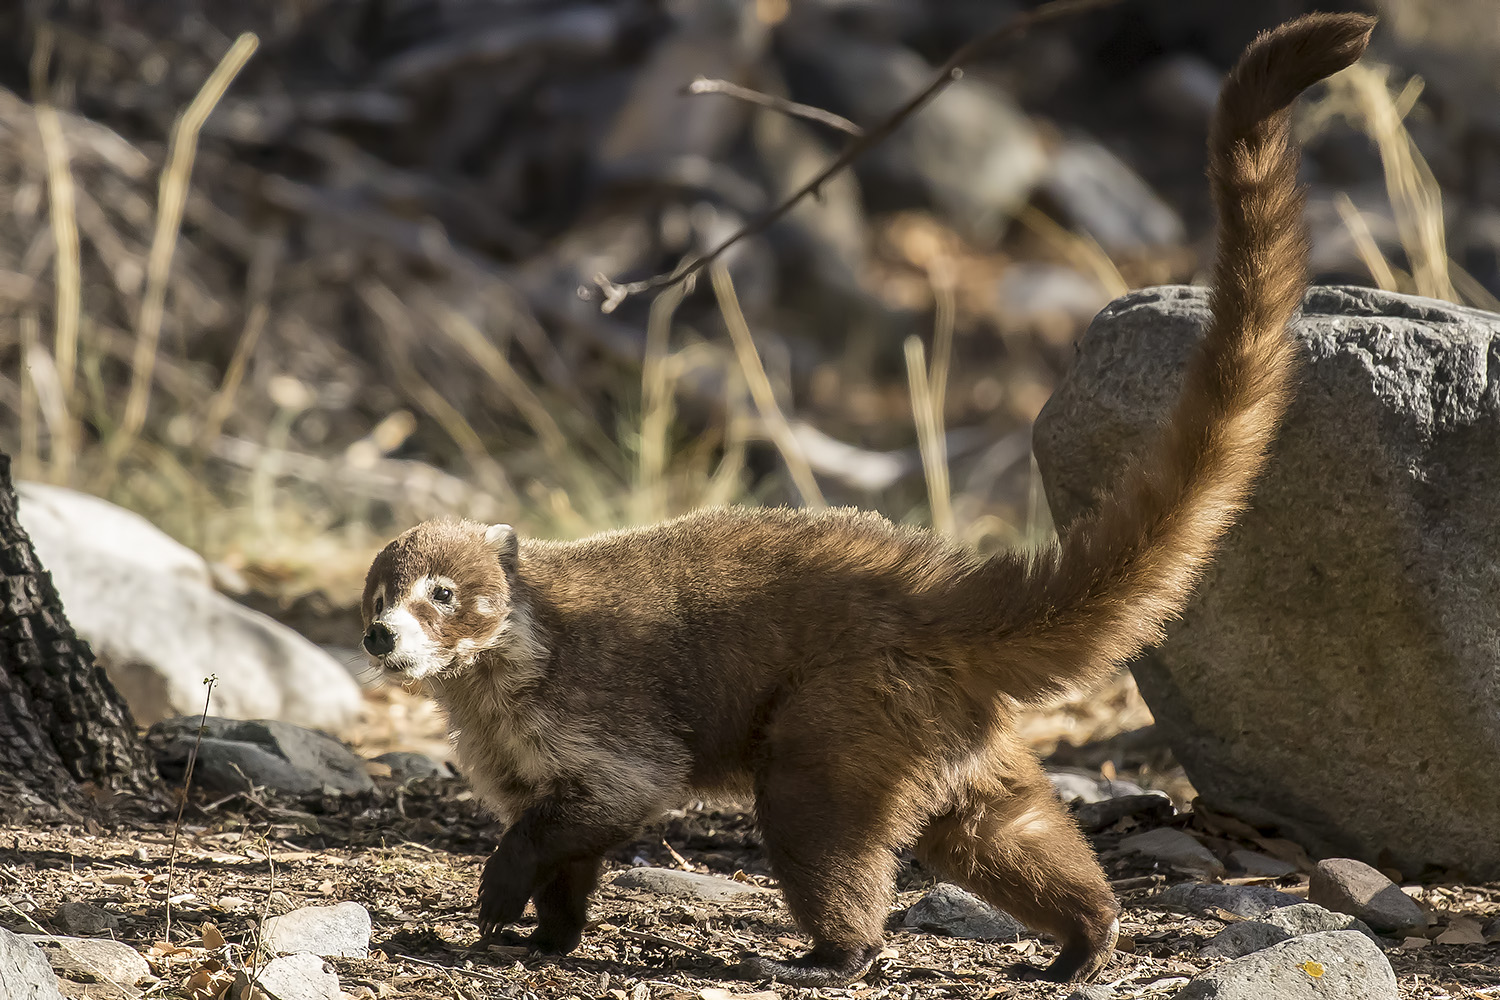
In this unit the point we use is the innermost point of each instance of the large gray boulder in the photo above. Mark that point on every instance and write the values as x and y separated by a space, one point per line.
147 606
1338 674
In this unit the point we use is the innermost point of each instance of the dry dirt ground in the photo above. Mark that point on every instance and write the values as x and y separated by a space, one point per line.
412 856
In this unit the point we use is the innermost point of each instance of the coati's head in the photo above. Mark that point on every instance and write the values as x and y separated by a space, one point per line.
440 595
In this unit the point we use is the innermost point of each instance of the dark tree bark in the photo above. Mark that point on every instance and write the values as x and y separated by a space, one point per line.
66 737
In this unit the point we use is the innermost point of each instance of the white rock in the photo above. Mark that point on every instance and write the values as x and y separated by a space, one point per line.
295 977
341 931
92 960
53 512
147 606
1175 848
24 971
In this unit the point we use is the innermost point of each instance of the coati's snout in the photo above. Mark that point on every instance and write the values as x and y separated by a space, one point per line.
437 597
379 639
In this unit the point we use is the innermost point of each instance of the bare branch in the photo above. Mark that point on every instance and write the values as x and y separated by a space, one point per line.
611 293
703 85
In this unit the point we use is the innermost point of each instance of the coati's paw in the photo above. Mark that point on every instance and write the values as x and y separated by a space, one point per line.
554 940
823 966
1080 961
504 890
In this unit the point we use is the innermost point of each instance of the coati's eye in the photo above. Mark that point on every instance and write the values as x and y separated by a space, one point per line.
379 604
442 595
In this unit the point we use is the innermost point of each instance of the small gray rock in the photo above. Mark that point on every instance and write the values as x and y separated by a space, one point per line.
309 761
24 971
1331 965
408 766
295 977
1238 940
1353 887
1175 848
1150 807
1100 193
85 919
341 931
229 766
688 885
947 909
1260 865
1078 784
1250 901
1310 918
92 960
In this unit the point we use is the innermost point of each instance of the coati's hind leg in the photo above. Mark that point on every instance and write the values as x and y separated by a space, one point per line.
1017 848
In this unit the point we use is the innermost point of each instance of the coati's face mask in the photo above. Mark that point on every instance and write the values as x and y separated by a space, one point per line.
437 597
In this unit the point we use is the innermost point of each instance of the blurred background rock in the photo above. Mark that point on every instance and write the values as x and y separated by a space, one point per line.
371 314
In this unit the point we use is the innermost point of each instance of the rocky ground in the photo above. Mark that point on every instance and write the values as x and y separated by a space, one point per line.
409 854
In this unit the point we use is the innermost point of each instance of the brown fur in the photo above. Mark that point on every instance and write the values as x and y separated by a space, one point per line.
859 678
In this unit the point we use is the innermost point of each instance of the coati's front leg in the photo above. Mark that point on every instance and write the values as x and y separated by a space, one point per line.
553 854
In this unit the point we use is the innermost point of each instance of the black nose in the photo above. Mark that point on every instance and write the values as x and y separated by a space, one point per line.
380 639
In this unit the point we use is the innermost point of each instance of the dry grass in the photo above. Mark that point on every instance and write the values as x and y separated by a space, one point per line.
760 389
68 283
1363 96
172 199
929 389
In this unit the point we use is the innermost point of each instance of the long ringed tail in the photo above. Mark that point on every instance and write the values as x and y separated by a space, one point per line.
1122 572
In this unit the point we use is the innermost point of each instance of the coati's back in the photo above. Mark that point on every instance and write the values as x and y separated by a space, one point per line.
720 607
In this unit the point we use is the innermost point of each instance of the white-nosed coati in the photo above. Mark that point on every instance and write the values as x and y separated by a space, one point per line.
859 678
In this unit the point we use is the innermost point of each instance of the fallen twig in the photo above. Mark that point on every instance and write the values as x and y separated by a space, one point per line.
613 293
703 85
666 942
450 968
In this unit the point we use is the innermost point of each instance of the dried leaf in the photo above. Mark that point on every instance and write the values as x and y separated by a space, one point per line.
1462 930
1414 943
164 949
716 993
206 984
212 937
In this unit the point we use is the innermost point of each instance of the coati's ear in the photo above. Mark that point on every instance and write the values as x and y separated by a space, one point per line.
502 539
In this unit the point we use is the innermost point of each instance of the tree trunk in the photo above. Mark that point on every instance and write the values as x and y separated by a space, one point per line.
65 734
